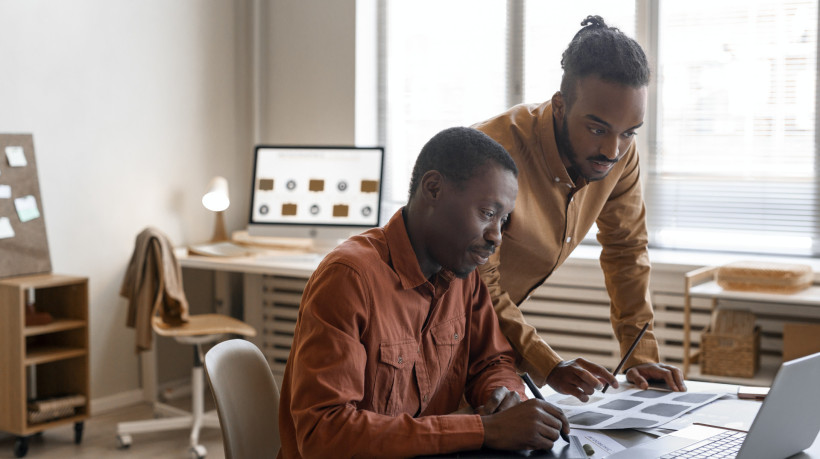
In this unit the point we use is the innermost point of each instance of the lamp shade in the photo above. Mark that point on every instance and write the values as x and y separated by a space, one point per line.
216 197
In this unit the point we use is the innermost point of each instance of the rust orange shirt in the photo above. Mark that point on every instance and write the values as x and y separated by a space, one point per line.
553 213
381 355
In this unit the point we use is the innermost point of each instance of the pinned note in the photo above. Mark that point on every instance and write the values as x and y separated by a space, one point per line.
5 191
27 208
6 231
16 156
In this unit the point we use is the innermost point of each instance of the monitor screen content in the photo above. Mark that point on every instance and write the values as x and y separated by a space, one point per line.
316 192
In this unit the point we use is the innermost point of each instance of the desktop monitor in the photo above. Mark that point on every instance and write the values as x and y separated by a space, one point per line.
323 193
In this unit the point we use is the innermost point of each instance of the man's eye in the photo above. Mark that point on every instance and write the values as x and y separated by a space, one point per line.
597 131
630 134
489 213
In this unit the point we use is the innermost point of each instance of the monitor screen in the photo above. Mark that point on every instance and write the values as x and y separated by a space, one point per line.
301 191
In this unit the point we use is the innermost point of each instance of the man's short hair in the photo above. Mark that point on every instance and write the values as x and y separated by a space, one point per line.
605 52
458 153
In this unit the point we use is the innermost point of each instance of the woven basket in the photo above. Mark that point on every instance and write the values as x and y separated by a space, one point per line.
725 352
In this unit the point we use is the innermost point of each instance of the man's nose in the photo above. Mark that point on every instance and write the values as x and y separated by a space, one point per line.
610 148
493 233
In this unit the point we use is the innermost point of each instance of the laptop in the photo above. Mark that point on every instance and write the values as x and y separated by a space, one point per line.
786 424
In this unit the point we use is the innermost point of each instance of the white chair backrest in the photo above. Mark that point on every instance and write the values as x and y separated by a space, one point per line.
247 399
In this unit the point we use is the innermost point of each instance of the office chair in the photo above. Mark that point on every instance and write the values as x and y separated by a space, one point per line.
154 284
247 399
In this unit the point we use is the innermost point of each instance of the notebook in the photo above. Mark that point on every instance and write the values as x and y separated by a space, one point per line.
786 424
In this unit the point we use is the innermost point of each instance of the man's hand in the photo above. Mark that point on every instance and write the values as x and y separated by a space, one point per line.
672 376
532 425
579 378
500 400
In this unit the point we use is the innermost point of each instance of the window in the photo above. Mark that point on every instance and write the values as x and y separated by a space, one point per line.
734 164
728 149
445 67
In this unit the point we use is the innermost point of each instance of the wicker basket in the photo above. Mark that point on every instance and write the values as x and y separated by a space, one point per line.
731 345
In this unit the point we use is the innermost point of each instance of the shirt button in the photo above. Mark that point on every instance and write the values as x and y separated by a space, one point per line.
400 360
569 185
557 179
425 398
569 239
455 336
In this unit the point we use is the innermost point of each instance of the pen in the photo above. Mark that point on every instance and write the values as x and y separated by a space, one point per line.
628 353
528 381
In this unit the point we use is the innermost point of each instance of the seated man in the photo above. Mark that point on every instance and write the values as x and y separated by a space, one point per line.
395 325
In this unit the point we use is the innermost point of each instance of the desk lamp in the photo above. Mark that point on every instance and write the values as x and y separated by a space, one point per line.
216 200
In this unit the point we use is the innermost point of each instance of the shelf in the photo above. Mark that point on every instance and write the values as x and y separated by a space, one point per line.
40 426
57 325
710 289
764 376
47 354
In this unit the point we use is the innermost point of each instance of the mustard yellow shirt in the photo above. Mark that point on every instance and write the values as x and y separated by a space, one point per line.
552 215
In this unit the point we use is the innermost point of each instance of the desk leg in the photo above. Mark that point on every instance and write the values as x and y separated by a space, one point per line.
252 288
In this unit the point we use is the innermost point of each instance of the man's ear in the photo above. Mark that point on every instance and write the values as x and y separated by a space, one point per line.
558 107
431 185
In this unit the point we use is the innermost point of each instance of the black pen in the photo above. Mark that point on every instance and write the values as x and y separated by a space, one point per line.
628 353
537 393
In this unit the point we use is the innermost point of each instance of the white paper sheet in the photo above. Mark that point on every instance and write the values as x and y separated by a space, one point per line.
5 191
632 408
602 444
6 231
27 208
16 156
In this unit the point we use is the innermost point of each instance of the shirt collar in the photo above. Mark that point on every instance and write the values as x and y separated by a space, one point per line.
402 256
557 172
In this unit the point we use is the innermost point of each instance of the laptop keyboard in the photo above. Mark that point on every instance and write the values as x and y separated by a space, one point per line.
723 445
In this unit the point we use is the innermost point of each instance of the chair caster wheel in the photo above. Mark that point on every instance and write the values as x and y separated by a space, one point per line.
20 446
197 452
124 441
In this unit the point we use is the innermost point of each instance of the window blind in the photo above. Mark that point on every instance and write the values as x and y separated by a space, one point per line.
734 164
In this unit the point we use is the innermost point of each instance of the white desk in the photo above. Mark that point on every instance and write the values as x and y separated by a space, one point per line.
630 437
268 297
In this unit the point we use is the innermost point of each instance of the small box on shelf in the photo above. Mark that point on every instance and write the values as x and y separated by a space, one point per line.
47 409
731 345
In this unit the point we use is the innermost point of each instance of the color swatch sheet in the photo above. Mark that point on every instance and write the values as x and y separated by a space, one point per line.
629 409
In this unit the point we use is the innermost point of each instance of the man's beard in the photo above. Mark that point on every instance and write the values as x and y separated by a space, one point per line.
565 149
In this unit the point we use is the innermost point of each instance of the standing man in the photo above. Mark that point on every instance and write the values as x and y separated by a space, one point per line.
579 166
394 326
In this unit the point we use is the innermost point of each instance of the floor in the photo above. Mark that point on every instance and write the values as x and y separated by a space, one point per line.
100 440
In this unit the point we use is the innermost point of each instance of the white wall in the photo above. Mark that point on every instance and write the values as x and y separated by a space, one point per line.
133 106
307 72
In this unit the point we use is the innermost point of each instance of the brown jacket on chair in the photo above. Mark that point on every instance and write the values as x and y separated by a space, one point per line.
153 281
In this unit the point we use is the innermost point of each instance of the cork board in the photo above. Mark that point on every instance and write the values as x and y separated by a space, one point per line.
23 241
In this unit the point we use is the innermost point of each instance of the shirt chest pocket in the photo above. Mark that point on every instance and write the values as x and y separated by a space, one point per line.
396 390
448 337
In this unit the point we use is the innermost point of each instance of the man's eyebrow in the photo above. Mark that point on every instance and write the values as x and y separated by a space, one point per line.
600 121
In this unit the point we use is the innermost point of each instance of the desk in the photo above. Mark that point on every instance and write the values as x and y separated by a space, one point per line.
628 437
267 297
633 437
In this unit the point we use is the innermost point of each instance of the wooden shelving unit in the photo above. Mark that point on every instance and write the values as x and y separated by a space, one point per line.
50 360
701 283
